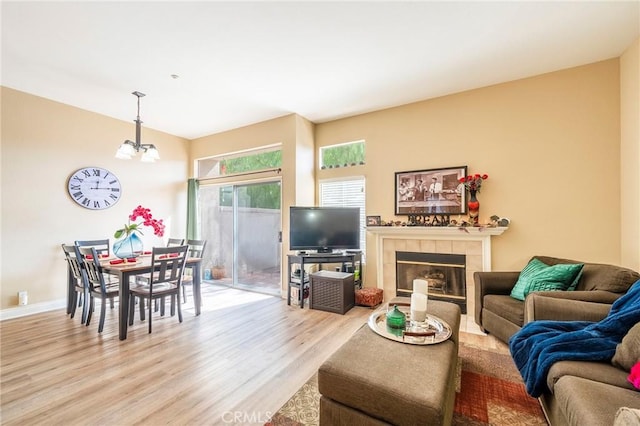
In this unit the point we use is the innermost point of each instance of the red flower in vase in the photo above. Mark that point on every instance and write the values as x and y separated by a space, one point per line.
148 220
473 183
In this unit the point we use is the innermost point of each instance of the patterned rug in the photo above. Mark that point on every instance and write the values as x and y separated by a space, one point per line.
489 391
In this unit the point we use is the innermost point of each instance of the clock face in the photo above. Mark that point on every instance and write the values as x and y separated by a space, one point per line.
94 188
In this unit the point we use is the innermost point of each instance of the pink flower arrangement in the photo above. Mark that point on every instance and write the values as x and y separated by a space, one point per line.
148 220
473 182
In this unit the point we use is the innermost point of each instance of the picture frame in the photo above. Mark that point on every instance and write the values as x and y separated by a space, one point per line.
431 192
374 220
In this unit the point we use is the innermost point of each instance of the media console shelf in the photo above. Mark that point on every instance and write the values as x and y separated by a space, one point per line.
301 280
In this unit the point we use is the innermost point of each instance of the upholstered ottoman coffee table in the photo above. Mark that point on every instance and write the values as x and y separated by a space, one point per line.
372 380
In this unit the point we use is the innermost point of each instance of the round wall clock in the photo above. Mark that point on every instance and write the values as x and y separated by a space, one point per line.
94 188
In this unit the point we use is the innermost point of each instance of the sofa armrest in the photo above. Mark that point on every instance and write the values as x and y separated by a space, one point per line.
557 306
491 283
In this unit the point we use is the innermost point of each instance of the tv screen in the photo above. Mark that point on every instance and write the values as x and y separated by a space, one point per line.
324 228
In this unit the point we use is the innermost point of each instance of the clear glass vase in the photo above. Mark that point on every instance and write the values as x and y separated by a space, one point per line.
128 247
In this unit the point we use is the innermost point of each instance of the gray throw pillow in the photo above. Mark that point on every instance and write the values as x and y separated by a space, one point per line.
628 351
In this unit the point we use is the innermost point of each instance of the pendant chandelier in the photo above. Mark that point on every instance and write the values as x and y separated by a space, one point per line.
129 148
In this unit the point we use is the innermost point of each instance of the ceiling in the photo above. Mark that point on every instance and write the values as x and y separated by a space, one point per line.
240 63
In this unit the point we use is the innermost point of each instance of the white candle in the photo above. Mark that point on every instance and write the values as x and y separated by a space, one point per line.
420 286
418 307
419 301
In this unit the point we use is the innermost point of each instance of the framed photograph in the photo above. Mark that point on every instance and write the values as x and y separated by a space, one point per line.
373 221
431 192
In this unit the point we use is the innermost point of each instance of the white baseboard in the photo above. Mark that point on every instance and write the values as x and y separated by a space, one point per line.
35 308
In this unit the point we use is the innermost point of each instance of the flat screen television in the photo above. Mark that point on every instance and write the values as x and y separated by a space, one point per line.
324 229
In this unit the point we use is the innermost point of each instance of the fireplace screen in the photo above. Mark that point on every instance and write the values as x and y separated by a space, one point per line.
444 273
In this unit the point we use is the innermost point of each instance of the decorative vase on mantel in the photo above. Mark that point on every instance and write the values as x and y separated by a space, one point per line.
128 247
474 208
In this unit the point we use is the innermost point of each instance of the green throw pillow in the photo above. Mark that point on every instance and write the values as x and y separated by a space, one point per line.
538 276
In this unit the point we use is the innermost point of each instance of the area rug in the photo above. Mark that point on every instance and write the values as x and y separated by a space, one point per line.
489 391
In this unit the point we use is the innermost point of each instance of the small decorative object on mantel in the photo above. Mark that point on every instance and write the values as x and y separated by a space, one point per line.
496 222
473 185
499 221
373 221
129 244
427 220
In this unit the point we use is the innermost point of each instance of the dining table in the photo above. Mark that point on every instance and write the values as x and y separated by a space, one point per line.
126 270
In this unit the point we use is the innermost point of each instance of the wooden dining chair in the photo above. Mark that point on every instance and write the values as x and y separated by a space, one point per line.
80 295
196 249
166 280
172 242
102 246
98 287
144 278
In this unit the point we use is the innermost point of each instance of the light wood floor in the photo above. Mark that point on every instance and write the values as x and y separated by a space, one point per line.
237 363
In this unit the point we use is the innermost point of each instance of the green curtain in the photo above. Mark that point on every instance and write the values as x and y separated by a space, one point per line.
192 209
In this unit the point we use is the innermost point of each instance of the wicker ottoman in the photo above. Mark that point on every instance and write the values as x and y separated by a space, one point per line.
371 380
369 296
332 291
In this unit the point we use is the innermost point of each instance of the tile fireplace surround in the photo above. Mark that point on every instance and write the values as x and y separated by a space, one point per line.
474 244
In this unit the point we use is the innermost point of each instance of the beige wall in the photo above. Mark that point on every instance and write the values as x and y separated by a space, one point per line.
550 145
43 142
630 155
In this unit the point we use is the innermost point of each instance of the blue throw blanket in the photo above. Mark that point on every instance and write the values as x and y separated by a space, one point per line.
539 344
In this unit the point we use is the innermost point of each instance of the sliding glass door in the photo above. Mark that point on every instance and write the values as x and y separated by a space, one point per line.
242 225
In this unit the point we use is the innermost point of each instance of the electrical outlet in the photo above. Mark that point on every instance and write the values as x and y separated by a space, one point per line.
23 297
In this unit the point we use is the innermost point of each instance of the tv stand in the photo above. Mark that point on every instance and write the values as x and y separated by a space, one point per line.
301 280
324 254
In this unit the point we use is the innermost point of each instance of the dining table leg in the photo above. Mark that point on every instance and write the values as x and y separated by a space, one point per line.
197 295
123 320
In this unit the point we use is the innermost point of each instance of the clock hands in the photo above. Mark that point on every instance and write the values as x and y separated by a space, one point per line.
98 186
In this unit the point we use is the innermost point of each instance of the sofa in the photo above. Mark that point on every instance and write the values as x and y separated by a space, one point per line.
584 393
499 314
577 392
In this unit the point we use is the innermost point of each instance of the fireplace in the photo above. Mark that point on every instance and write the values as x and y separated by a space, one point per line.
444 273
474 243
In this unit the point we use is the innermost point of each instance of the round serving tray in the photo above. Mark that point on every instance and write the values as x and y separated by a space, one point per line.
430 332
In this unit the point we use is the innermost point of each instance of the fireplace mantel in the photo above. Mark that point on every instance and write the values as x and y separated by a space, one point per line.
474 242
449 232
